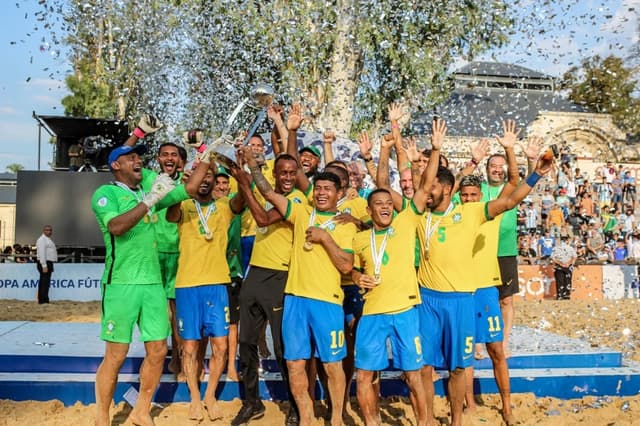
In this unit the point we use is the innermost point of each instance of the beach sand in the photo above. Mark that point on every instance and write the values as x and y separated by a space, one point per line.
601 323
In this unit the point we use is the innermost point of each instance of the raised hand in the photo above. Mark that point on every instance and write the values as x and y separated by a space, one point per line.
509 134
545 165
162 185
365 145
387 141
329 136
295 117
248 156
273 113
395 111
439 131
532 149
193 138
149 123
480 150
411 148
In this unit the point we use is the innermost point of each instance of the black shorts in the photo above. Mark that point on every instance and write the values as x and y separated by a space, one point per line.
233 291
509 273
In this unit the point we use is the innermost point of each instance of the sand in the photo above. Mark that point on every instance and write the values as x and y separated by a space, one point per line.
601 323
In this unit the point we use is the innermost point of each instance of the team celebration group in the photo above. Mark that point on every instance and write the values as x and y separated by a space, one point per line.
347 280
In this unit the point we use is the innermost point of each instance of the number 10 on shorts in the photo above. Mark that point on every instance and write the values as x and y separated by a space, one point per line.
337 339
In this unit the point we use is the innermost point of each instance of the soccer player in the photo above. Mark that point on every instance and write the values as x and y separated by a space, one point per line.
386 272
488 317
508 242
201 284
447 234
170 162
313 297
132 290
262 294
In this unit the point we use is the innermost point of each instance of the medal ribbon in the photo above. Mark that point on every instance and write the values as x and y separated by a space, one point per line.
323 225
138 195
377 255
203 218
429 230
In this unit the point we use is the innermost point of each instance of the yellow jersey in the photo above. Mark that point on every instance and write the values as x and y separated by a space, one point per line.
398 289
203 261
272 246
446 247
311 272
249 226
485 254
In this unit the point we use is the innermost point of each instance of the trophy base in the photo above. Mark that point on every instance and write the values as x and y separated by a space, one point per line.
224 161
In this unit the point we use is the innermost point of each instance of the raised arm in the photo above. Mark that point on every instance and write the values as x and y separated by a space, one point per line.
429 175
147 125
479 151
294 120
279 134
278 201
509 201
532 151
382 177
508 141
261 216
395 114
328 138
364 144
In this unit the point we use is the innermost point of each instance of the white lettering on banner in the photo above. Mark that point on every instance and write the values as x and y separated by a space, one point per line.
69 281
534 286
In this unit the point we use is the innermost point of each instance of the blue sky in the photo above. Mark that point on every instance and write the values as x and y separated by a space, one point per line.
32 78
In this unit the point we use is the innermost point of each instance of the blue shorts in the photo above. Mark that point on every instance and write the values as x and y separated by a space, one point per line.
489 322
353 302
402 330
202 311
309 323
446 328
246 247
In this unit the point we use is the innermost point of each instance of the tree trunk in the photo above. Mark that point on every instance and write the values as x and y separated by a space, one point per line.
345 67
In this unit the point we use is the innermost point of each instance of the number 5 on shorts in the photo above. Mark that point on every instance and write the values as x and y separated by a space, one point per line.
468 345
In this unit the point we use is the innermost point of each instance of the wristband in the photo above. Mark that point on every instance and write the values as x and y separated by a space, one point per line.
367 160
470 163
202 148
474 161
138 132
533 179
395 126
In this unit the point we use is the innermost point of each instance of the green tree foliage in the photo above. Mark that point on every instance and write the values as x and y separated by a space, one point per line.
393 50
606 86
14 168
89 98
192 61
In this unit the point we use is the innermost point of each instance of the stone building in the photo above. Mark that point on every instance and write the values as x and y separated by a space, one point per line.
486 93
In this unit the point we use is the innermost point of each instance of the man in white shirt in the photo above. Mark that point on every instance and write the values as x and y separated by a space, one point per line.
47 254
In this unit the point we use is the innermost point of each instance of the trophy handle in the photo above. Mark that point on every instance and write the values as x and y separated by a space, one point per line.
233 115
259 119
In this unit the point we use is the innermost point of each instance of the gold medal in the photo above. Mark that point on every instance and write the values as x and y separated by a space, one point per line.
208 236
146 218
307 246
263 229
377 279
154 218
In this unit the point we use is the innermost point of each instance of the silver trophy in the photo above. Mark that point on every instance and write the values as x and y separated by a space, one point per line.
225 147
